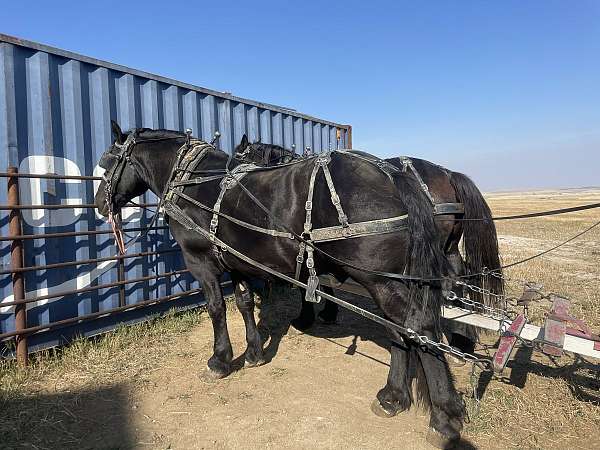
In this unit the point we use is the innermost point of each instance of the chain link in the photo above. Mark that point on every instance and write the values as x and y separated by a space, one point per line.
481 290
509 300
484 310
484 364
474 382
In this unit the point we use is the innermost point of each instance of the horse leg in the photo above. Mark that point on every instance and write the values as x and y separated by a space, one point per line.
395 397
245 303
330 310
219 363
306 318
447 409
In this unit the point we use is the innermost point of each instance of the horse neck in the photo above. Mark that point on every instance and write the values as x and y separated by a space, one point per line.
156 162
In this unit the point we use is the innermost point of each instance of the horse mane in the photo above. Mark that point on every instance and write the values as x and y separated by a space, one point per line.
272 146
149 133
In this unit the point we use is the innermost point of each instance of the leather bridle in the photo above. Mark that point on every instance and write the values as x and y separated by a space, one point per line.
250 150
114 161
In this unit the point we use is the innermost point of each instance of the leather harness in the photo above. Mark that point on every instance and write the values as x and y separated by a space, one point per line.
191 154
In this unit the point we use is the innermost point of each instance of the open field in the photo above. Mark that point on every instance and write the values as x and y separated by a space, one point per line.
140 387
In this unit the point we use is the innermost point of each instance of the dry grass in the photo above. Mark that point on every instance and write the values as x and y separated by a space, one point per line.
92 361
548 403
76 386
540 403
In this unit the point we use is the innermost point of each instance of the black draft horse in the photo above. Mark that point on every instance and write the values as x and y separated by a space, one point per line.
479 236
365 192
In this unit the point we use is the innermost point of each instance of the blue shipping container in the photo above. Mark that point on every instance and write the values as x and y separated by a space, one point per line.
55 112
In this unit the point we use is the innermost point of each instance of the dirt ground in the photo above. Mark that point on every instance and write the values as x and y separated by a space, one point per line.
316 388
144 387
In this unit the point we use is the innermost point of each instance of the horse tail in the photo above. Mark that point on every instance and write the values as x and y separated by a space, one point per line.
479 238
425 258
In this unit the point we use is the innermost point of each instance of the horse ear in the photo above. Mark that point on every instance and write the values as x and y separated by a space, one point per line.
117 133
244 142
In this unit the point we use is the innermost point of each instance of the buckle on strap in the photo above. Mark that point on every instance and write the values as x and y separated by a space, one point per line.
312 286
308 205
323 160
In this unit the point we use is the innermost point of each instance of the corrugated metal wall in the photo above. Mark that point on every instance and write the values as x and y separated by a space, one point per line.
55 112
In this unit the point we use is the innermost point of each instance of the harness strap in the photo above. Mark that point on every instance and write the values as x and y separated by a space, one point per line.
313 280
275 233
440 209
311 190
227 183
308 220
321 162
359 229
383 165
390 169
176 212
335 199
195 181
407 163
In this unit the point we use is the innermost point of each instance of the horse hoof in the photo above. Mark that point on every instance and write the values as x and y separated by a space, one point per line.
301 324
211 375
438 440
380 411
256 363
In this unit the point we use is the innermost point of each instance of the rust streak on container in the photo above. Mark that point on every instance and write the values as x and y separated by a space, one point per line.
349 137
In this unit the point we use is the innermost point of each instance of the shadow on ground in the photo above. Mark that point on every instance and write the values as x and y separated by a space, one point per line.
277 310
283 305
89 419
582 376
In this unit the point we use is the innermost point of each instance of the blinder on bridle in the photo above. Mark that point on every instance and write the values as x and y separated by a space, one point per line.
252 154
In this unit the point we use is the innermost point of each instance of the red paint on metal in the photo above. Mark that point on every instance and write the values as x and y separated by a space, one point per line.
554 336
582 334
508 342
560 306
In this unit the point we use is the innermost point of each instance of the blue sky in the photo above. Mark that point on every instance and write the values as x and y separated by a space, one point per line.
507 91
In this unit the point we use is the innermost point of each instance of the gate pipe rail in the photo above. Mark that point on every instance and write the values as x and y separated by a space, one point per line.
94 288
18 269
83 262
99 314
49 176
77 233
16 262
76 206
